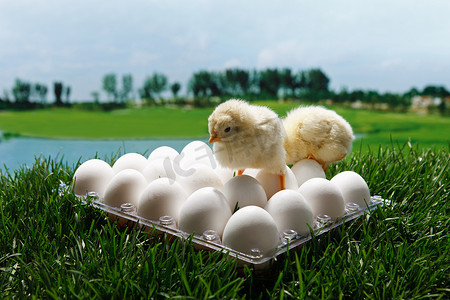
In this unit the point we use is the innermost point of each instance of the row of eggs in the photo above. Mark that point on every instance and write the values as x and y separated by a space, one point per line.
248 211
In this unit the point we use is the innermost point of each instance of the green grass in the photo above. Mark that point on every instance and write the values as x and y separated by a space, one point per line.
127 123
52 246
375 128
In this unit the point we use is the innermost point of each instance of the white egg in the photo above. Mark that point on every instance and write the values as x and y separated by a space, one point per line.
163 152
290 210
125 187
353 188
271 182
162 197
307 169
324 197
244 190
130 161
251 228
197 177
206 209
158 168
92 176
196 152
251 172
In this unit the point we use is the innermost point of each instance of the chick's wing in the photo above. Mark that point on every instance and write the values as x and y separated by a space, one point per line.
316 132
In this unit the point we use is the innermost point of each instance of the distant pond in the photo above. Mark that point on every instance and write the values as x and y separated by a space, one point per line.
19 151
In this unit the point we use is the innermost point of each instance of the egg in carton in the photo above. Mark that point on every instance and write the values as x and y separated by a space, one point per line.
242 216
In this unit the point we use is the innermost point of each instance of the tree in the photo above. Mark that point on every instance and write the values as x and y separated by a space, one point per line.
357 95
67 91
316 85
21 91
317 81
96 96
58 90
127 87
205 84
110 86
242 78
229 83
146 91
196 85
235 82
372 97
153 86
4 101
300 81
269 83
342 95
394 100
175 88
6 96
435 91
288 82
253 84
412 93
158 83
40 91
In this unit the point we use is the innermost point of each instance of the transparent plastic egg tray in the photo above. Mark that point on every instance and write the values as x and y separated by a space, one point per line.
210 240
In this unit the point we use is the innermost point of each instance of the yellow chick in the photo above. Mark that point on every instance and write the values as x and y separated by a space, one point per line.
247 136
317 133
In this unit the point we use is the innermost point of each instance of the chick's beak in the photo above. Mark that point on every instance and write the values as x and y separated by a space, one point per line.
213 138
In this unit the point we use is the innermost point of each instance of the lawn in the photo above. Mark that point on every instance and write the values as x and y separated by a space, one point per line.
126 123
52 246
374 128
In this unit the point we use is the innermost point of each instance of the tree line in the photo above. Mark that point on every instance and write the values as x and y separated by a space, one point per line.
27 95
209 87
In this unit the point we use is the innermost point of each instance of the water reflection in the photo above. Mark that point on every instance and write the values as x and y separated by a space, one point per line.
15 152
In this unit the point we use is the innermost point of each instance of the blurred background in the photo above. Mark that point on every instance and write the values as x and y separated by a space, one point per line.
112 55
380 45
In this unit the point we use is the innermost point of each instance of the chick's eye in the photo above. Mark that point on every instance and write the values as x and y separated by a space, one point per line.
227 129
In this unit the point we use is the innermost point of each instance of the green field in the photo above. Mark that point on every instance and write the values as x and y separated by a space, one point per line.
53 246
127 123
375 128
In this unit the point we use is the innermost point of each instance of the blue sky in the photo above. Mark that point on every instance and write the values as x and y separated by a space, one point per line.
385 45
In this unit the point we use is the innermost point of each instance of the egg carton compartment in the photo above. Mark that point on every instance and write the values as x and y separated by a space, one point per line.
210 240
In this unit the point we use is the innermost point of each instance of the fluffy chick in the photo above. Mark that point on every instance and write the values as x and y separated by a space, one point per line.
317 133
247 136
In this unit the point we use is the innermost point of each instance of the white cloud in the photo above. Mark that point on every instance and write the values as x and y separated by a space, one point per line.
286 53
389 64
296 53
193 40
233 63
142 58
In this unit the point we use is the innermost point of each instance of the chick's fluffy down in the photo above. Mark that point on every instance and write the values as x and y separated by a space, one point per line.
316 132
250 136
